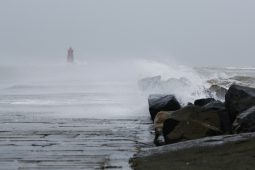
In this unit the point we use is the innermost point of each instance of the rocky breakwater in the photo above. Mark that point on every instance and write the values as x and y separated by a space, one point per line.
208 134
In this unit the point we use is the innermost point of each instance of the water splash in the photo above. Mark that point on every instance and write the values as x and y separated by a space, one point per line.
182 81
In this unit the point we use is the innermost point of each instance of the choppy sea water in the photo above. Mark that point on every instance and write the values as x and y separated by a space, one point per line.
71 117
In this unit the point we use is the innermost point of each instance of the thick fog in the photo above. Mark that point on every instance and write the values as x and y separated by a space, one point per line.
116 45
196 33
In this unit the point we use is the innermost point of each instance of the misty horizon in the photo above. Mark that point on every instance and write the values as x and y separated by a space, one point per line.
197 33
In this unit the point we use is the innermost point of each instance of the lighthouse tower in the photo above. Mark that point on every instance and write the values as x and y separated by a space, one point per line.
70 57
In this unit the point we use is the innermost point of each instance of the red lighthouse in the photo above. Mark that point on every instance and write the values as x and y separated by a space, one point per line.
70 57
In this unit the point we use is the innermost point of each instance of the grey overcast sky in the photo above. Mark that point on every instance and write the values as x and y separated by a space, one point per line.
194 32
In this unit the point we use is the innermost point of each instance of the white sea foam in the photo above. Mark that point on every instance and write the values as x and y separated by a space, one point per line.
182 81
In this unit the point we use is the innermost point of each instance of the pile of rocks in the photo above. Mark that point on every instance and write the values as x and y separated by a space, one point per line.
204 117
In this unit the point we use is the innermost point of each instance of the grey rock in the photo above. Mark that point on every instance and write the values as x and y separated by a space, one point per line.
159 102
216 105
191 122
245 122
202 102
238 99
226 124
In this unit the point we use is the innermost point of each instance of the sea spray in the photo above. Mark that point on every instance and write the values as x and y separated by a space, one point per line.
182 81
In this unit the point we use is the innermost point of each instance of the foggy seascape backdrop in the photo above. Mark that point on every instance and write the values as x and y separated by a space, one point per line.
96 110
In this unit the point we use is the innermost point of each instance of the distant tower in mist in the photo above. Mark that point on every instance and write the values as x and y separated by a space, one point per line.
70 57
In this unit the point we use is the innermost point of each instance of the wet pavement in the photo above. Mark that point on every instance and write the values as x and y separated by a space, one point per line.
29 141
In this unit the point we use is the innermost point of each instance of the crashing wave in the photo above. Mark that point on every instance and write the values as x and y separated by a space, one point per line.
182 88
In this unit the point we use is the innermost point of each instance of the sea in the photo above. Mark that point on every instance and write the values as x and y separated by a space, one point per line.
91 115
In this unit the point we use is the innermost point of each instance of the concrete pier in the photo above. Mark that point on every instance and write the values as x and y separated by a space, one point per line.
28 141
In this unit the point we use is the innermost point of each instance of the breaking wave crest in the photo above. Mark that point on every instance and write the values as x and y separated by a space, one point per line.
182 81
188 83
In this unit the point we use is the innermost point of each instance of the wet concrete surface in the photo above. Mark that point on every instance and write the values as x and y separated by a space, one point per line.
28 141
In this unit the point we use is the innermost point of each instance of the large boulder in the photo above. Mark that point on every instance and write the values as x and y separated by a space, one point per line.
245 122
158 102
191 122
216 105
202 102
218 91
238 99
219 107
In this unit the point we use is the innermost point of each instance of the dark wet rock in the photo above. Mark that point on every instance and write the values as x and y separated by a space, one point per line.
233 152
245 122
169 126
219 107
219 91
190 104
158 102
238 99
191 122
202 102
